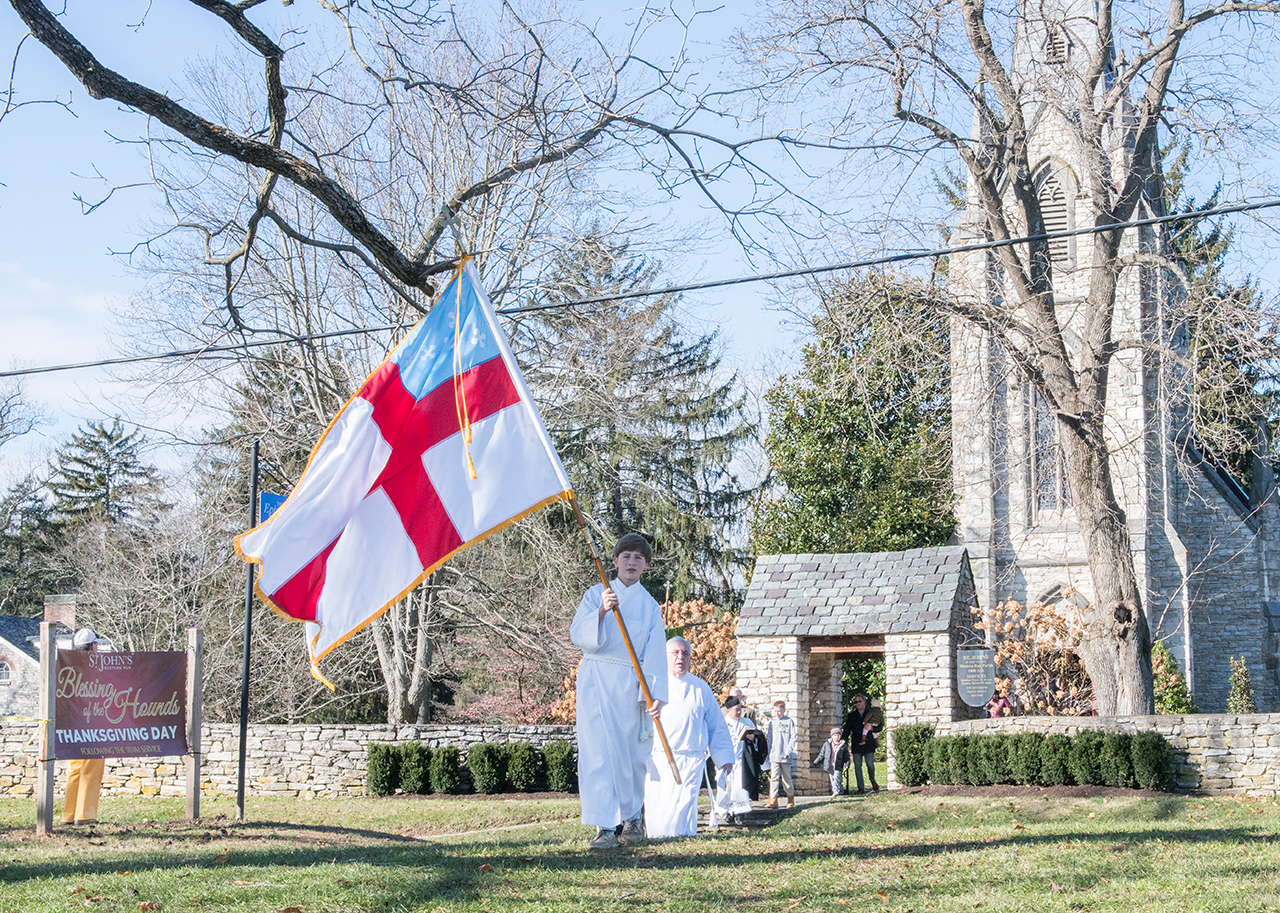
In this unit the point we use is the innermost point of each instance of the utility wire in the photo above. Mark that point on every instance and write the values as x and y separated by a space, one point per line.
206 351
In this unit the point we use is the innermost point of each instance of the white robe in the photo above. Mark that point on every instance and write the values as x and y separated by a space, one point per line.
613 745
731 797
694 726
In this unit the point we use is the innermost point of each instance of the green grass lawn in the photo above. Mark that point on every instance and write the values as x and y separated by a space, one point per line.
883 852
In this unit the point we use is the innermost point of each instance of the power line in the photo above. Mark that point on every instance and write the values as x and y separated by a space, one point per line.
206 351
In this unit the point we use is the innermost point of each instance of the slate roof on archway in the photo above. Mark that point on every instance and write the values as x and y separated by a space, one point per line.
810 595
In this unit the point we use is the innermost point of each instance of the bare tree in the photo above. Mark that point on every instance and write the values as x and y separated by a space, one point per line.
18 415
977 81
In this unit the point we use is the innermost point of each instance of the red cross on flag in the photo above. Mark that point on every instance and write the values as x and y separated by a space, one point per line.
441 447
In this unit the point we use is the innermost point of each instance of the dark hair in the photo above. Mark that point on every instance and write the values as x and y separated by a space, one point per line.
634 542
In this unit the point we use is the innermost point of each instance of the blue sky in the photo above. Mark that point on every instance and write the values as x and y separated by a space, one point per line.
64 273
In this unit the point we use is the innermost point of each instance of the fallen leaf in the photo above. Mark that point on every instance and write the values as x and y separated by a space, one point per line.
77 890
119 872
1054 887
343 883
976 904
485 868
842 900
795 903
222 857
882 894
1090 814
289 910
149 905
1019 827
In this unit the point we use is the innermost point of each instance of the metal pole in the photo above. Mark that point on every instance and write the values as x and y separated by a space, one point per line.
248 637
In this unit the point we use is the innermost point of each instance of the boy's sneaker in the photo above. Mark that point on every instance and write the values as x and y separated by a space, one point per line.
605 839
632 832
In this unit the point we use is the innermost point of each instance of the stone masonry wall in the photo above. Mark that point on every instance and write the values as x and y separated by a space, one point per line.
296 761
776 669
1212 753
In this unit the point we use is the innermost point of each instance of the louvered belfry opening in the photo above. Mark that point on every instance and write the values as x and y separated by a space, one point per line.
1053 206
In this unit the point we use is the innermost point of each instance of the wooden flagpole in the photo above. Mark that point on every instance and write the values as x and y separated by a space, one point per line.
626 639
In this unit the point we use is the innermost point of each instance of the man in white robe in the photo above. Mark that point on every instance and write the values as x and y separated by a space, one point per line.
695 727
614 732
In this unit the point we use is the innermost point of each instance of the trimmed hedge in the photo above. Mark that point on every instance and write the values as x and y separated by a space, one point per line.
1084 757
562 769
487 762
1151 767
1024 757
1055 754
524 766
909 745
1091 757
1115 761
446 770
415 769
383 774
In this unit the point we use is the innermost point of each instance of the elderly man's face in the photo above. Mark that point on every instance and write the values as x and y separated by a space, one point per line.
678 657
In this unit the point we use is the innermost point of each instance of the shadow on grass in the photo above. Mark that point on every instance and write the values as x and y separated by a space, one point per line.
406 870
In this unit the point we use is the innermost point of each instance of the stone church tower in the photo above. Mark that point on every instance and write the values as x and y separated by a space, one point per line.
1205 550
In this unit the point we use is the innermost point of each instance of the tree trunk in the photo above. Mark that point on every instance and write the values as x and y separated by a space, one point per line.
403 638
1117 642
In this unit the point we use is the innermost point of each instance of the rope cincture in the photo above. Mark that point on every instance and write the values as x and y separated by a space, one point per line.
459 389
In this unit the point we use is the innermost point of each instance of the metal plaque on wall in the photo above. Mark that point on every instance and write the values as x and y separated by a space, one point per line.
976 676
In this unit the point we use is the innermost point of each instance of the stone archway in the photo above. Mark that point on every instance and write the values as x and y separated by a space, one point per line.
803 612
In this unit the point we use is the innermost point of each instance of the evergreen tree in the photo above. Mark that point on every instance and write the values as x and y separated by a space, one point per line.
29 539
644 420
859 437
1234 385
99 473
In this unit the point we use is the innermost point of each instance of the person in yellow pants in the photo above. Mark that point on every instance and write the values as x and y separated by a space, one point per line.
84 786
84 777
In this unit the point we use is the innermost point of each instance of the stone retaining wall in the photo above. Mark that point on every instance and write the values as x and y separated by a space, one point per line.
1212 753
298 761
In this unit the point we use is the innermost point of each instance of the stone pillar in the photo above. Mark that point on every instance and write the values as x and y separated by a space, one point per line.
815 721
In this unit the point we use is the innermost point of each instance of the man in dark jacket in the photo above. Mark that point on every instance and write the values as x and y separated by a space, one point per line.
861 728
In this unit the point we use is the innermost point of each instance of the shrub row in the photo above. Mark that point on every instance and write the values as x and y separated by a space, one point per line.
1032 758
412 767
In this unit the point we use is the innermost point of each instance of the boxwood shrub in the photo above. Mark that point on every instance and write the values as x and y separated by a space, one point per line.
524 766
415 772
1151 761
1116 759
383 774
1084 759
1053 760
909 746
446 769
487 762
562 769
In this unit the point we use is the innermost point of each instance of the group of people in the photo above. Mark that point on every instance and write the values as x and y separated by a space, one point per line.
627 784
854 742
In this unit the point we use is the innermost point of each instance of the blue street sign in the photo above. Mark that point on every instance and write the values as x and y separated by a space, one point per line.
267 505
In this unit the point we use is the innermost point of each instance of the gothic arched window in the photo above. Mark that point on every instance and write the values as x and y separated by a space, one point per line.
1048 469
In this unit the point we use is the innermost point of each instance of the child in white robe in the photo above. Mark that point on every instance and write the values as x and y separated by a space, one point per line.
614 732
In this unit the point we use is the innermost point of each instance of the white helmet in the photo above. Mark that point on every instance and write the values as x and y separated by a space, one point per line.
84 639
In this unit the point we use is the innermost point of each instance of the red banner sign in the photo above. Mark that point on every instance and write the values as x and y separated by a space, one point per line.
120 705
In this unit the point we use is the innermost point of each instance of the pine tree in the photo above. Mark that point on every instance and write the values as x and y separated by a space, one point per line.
29 539
644 421
859 437
99 473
